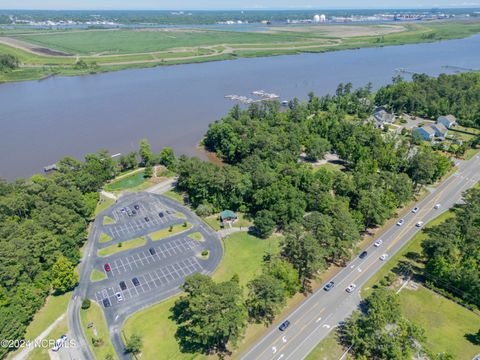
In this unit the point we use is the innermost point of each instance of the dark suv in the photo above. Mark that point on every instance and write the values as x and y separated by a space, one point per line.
363 255
123 286
284 325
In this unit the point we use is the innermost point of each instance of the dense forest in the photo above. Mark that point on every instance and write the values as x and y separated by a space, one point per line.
452 251
431 97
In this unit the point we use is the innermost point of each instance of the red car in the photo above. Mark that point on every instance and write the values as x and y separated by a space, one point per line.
107 267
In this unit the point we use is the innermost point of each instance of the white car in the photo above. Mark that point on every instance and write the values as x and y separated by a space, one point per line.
119 296
437 206
378 243
384 257
415 210
419 224
401 222
59 343
350 288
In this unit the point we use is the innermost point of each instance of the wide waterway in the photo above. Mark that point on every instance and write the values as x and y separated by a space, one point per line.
42 121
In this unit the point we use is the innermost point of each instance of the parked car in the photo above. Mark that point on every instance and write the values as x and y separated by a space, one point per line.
106 303
415 210
134 212
401 222
59 343
135 281
384 257
147 219
136 207
284 325
437 206
378 243
152 251
329 286
363 255
123 286
350 288
107 267
119 296
161 214
419 224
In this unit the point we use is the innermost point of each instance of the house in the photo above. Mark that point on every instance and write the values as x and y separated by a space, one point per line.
448 121
228 215
440 130
50 168
426 132
381 116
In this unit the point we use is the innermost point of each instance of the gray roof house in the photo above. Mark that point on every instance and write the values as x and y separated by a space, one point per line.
426 132
382 116
448 121
440 130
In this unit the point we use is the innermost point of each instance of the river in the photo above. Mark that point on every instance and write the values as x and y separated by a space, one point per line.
42 121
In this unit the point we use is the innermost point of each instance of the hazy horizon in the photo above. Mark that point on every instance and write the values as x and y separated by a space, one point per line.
212 5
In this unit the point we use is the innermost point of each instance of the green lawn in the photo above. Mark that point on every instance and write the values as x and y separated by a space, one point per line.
446 323
94 315
196 236
162 234
96 275
126 245
242 221
127 182
103 204
104 238
174 195
41 353
243 256
180 215
51 311
328 349
107 220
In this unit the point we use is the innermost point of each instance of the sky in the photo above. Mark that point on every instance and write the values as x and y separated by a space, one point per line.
232 4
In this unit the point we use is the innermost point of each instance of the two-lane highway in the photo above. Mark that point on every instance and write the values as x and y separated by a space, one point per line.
322 311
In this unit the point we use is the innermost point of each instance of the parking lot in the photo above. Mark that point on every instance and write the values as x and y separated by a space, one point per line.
158 279
136 277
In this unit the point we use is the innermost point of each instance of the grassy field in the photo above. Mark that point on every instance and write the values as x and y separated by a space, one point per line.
94 316
445 322
40 353
111 50
127 182
126 245
328 349
214 222
103 204
162 234
243 256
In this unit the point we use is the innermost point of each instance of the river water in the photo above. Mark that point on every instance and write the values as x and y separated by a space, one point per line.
42 121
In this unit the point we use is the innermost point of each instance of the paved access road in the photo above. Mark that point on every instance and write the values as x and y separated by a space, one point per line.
140 277
322 311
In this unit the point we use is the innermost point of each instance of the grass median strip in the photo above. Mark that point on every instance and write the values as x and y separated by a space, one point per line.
96 275
196 236
107 220
104 238
127 245
172 230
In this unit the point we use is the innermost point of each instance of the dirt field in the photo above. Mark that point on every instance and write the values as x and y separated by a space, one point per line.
343 31
35 49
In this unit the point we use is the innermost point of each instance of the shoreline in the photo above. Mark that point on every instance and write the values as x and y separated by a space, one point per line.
411 36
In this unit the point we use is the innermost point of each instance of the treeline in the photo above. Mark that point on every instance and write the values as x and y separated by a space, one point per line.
452 251
43 223
434 96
